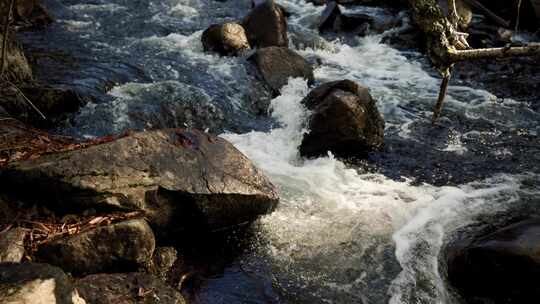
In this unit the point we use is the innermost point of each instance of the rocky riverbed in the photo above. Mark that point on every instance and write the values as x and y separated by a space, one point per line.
200 151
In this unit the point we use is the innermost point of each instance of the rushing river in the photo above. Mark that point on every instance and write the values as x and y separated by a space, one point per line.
363 232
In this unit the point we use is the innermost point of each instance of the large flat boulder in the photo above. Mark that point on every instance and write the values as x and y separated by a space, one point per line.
345 120
37 284
123 246
178 178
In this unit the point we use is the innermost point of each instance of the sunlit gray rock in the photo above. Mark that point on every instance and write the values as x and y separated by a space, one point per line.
225 39
178 178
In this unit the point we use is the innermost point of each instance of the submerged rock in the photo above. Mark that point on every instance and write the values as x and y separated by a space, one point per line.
501 267
266 25
123 246
126 288
31 11
178 178
225 39
345 121
278 64
12 245
37 284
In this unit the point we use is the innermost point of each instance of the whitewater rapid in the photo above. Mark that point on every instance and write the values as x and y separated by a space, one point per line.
342 233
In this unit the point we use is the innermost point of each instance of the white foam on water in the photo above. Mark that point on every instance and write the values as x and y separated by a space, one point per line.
224 68
184 9
92 8
333 220
419 242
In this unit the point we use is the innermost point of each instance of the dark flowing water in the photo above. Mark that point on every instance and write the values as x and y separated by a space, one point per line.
371 232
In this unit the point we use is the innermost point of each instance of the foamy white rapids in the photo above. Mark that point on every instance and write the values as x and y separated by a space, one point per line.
332 233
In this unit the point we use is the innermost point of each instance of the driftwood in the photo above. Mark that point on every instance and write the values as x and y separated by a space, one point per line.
447 46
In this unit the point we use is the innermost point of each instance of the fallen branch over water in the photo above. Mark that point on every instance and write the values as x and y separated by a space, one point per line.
446 45
501 52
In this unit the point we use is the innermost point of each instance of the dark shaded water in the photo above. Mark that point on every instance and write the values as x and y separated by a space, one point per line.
364 233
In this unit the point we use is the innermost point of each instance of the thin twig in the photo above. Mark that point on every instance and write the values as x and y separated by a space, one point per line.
27 100
4 39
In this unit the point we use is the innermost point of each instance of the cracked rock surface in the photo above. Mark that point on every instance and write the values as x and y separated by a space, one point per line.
176 177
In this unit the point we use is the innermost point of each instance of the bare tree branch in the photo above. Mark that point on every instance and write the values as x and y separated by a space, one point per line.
501 52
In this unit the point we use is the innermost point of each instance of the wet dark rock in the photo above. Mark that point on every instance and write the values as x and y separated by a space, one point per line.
345 121
36 283
501 267
122 246
266 25
54 103
278 64
31 11
12 245
126 288
225 39
332 19
180 179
